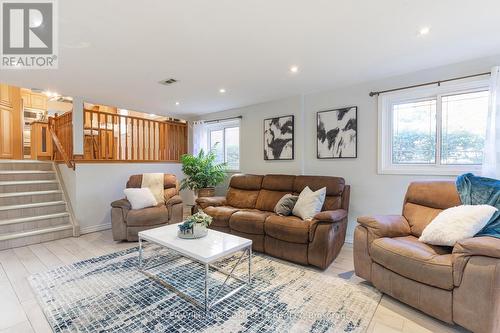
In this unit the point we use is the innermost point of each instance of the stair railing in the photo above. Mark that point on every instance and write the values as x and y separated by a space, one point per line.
67 129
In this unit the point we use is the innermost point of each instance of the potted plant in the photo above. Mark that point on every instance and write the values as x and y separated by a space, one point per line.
202 173
195 226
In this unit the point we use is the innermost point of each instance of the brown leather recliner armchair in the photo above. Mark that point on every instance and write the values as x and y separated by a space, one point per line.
459 284
126 222
247 211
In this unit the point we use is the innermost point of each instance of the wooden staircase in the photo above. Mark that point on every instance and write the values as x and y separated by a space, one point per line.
33 205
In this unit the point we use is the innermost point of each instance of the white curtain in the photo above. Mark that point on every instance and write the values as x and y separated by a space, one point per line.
200 140
491 167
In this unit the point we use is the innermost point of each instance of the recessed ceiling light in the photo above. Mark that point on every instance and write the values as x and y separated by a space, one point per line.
294 69
222 90
424 31
177 103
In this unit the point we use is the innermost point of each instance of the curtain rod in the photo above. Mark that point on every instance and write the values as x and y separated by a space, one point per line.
376 93
222 119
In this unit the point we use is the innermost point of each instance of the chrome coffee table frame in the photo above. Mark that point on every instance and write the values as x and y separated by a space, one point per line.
209 301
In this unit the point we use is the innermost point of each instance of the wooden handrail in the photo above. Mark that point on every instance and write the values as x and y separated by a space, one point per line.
116 137
69 162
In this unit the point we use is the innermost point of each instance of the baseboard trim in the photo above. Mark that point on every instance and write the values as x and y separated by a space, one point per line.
94 228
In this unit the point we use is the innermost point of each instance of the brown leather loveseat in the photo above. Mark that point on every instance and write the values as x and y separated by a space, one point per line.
248 211
126 222
459 284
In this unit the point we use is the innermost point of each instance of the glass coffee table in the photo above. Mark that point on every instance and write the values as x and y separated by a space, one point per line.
206 251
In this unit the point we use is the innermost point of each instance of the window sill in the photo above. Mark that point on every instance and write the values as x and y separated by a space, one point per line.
430 170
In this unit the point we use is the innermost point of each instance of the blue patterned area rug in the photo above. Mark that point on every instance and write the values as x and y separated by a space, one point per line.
109 294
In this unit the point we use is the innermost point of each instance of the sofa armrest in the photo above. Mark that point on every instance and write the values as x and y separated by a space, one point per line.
385 225
479 246
205 202
331 215
122 203
176 199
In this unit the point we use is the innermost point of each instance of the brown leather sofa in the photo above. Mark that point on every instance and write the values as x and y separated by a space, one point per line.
127 222
248 211
457 285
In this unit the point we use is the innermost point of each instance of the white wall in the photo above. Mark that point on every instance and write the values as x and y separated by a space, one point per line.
371 193
92 188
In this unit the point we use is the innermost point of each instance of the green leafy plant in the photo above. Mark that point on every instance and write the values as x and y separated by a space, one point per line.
202 170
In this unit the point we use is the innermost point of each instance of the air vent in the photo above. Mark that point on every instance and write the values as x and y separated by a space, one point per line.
168 82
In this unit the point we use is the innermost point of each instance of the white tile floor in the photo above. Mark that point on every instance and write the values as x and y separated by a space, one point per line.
19 311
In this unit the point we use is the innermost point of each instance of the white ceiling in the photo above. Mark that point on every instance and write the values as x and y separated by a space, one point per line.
115 51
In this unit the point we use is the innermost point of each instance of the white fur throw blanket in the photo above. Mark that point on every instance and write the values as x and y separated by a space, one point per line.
154 181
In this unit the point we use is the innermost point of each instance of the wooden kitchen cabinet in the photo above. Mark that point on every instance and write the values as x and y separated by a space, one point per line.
34 100
6 122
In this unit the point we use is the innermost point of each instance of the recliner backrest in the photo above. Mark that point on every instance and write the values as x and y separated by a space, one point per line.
424 200
274 187
334 188
263 192
170 184
243 190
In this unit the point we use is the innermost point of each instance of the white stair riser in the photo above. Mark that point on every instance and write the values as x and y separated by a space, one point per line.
27 199
33 225
32 211
28 187
25 166
23 241
27 176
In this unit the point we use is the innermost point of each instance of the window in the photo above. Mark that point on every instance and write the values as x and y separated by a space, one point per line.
224 139
438 130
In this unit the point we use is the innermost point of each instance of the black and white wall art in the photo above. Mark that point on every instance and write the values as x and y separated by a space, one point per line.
337 132
278 138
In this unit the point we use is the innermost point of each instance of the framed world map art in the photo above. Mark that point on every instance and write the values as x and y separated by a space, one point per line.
278 138
337 133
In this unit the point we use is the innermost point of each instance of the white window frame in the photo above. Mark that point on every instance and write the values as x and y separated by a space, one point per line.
222 125
385 128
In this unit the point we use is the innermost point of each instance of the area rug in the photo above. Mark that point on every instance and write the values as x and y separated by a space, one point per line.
109 294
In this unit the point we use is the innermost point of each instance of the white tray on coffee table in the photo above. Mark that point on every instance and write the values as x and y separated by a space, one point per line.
207 250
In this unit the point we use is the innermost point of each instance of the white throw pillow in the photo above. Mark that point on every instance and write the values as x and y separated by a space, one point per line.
140 198
309 203
457 223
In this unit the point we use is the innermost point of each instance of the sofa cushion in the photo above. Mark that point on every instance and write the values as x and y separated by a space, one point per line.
434 194
287 228
246 182
334 185
241 198
424 200
410 258
267 199
419 217
249 221
147 216
220 214
280 183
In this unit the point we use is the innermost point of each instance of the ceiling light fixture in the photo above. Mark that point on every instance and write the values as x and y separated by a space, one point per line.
222 90
177 103
424 31
294 69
